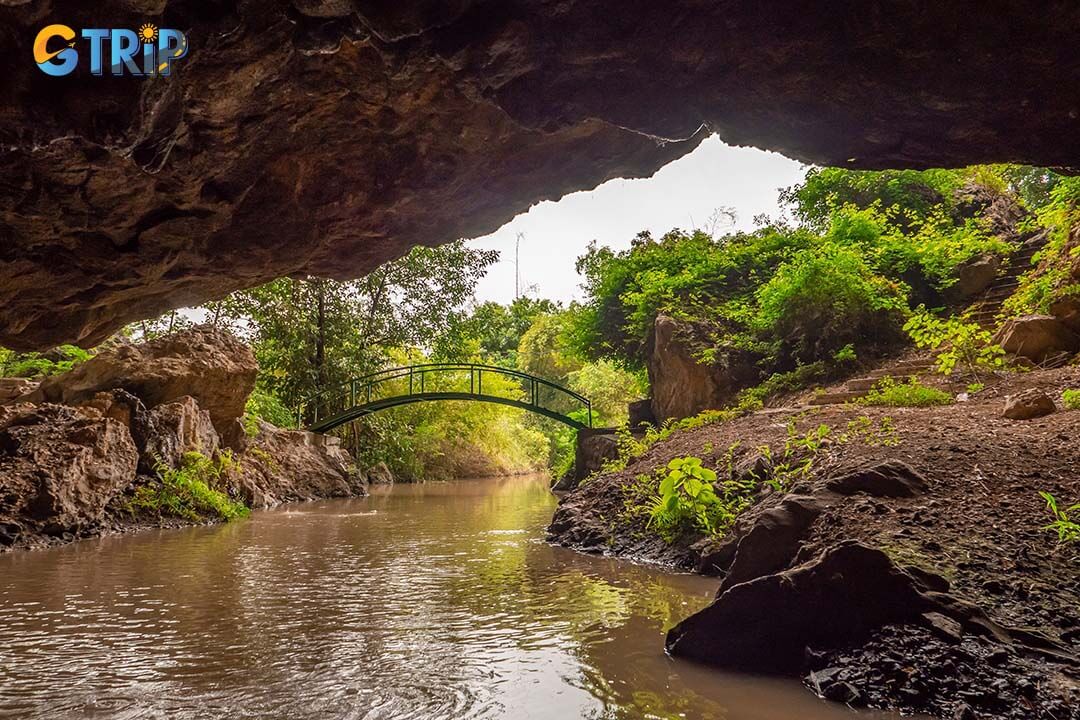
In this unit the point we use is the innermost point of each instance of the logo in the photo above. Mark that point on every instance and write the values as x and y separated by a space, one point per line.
149 52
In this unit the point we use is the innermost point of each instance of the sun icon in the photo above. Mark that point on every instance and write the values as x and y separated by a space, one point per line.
148 33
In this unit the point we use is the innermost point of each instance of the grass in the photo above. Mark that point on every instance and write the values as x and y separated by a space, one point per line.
890 393
188 491
1070 399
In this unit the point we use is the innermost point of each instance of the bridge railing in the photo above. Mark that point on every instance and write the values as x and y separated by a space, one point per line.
444 381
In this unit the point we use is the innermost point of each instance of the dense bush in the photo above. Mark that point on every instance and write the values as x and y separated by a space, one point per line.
191 491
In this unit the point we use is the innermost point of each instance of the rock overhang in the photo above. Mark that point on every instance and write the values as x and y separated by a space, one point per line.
327 137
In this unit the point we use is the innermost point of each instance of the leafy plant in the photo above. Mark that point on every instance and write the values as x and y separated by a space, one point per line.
1071 399
1065 521
687 497
189 491
890 393
956 341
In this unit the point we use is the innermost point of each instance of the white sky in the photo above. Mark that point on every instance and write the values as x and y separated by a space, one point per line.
684 194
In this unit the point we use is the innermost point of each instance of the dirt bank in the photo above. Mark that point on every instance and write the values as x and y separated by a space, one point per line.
953 522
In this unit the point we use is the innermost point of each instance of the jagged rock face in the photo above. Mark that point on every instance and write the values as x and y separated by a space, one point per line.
180 427
327 136
289 465
207 364
682 385
59 467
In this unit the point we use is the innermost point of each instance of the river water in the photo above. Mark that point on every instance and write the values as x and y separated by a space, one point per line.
424 601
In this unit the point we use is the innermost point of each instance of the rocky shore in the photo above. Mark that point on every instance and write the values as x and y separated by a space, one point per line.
75 449
908 568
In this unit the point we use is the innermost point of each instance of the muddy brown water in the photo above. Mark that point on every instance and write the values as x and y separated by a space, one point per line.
429 601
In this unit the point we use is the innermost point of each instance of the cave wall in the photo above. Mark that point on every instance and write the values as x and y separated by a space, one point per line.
327 136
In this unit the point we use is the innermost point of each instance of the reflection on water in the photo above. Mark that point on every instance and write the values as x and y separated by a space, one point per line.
432 601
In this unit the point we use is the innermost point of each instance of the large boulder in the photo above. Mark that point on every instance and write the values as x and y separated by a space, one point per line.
1037 337
180 427
289 465
682 385
59 468
767 624
974 277
1027 405
208 364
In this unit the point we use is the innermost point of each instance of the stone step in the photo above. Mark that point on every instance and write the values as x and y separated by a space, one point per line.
862 384
836 398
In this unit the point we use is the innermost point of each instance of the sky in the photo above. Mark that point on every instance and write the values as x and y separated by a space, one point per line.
684 194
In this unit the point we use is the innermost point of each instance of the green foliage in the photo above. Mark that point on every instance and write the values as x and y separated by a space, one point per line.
1052 278
38 365
266 406
824 190
956 341
313 334
890 393
863 429
1070 399
687 500
827 298
496 330
800 378
190 491
834 290
1065 522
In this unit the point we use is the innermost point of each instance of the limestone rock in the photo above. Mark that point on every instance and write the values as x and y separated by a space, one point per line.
974 277
59 468
289 465
380 474
594 448
682 386
180 427
1028 404
205 363
11 389
1036 337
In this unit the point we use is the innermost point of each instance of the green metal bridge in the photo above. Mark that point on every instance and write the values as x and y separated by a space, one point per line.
442 381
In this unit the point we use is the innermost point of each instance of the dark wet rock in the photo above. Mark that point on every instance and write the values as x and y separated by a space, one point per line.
842 595
773 541
593 448
944 627
891 479
640 412
1028 405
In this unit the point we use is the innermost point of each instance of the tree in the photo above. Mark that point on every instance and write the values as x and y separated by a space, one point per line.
313 334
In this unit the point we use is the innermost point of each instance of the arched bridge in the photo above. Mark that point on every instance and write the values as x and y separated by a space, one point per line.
443 381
